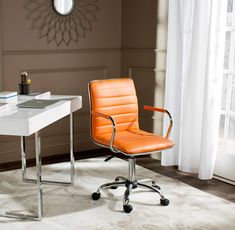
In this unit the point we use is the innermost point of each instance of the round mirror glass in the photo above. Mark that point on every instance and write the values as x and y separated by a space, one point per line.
63 7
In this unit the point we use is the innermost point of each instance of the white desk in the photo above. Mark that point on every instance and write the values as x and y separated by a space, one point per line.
25 122
76 104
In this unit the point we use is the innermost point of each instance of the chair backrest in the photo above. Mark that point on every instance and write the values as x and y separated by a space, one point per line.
116 98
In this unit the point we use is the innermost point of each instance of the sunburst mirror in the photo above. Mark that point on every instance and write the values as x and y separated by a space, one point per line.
61 21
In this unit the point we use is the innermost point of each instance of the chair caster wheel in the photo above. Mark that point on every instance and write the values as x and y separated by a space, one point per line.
127 208
95 196
164 202
114 187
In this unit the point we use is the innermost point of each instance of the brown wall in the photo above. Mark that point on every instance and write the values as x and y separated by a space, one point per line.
62 70
129 38
144 42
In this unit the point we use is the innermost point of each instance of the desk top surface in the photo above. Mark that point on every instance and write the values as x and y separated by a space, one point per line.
26 121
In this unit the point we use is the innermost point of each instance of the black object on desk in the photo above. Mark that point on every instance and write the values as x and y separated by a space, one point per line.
24 86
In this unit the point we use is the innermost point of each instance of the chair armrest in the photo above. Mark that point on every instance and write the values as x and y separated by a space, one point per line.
151 108
113 127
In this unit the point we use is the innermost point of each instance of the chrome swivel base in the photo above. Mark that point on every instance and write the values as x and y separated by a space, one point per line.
131 184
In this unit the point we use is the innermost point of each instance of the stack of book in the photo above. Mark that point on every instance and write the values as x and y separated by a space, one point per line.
8 96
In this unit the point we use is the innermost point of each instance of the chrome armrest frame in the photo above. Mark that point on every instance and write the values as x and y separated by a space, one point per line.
113 127
151 108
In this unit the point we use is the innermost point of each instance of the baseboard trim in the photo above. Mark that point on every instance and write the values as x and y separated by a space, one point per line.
7 166
58 158
223 179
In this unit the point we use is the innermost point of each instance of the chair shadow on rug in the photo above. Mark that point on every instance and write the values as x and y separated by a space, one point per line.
115 125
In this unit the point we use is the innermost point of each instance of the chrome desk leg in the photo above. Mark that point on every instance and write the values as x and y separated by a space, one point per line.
39 187
71 147
39 172
50 182
23 156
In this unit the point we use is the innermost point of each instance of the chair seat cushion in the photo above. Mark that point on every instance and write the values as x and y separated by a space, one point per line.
136 141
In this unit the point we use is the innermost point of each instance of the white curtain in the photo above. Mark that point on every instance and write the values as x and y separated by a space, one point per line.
195 53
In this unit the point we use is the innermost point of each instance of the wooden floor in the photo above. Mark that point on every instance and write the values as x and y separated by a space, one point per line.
215 187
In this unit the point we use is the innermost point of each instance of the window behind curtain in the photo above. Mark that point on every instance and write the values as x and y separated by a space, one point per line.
226 142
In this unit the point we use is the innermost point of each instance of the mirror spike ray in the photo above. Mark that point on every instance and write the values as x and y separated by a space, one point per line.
62 21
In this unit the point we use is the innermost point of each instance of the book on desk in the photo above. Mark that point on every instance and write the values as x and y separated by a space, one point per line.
36 103
8 96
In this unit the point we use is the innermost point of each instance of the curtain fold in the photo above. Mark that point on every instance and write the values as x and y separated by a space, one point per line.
195 53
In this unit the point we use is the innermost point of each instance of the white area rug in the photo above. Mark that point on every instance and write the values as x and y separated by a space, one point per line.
68 208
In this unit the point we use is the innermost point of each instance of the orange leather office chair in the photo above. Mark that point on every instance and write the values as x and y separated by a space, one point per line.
114 124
